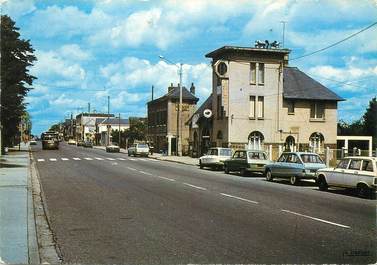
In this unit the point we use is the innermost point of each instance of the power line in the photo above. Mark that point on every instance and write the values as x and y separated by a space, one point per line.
336 43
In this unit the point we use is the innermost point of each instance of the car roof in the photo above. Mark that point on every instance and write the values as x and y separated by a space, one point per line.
361 157
300 153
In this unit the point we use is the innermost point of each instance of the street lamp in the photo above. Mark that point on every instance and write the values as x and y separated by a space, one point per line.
179 124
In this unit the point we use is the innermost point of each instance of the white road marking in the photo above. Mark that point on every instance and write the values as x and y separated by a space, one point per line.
152 160
122 159
88 158
40 160
238 198
142 159
193 186
166 178
316 219
53 159
109 158
76 158
98 158
132 159
145 173
65 159
131 168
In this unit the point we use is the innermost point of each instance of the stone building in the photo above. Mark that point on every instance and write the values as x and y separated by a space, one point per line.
163 119
259 102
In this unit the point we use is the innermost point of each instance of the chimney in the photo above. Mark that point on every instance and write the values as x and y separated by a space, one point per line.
192 89
170 88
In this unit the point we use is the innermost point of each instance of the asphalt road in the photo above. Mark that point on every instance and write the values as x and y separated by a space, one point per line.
108 208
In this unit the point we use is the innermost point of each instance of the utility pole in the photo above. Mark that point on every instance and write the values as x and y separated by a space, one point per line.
108 117
152 91
180 112
119 131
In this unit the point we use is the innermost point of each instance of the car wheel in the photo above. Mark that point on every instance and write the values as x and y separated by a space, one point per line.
226 169
269 175
364 191
243 172
294 180
200 164
322 184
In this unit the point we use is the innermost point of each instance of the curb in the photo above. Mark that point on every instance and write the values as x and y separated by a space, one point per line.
49 252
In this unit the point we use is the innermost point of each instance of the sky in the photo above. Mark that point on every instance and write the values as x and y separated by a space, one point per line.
89 50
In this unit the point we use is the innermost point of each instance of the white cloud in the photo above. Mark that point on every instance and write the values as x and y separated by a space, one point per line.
17 8
74 52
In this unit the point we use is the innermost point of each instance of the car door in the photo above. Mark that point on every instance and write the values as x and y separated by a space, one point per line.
232 163
242 161
351 174
337 176
277 168
293 166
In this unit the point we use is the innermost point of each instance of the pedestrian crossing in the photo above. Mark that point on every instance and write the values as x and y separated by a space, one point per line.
54 159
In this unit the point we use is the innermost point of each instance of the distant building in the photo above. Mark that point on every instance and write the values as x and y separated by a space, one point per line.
259 102
86 125
163 119
107 125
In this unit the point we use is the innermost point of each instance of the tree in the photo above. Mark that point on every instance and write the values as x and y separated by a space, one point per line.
370 121
16 56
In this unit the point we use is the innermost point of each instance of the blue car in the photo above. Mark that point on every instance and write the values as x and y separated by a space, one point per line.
295 166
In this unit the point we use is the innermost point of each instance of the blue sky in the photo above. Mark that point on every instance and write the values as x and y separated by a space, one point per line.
88 50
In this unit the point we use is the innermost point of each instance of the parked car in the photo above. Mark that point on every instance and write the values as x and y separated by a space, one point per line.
33 142
215 157
295 166
246 161
358 173
80 143
138 150
71 142
112 148
88 144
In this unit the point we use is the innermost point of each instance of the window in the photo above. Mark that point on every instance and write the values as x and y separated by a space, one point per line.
242 154
219 135
317 110
292 158
255 140
291 107
260 107
257 155
282 158
355 164
367 165
219 109
225 152
308 158
261 73
253 73
343 164
222 68
213 151
252 107
236 154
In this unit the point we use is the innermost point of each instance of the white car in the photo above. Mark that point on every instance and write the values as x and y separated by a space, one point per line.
215 157
358 172
138 149
71 142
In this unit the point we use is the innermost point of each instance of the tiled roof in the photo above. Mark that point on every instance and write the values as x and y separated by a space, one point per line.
112 121
298 85
174 94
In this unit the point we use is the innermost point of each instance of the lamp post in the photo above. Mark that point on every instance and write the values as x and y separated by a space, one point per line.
179 124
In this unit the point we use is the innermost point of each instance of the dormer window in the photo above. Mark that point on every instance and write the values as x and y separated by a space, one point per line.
222 68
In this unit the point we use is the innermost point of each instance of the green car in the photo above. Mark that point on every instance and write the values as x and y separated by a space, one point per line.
246 161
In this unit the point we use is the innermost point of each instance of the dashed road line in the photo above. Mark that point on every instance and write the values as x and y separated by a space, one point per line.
122 159
169 179
132 159
238 198
76 158
109 158
131 168
193 186
142 159
316 219
53 159
98 158
145 173
88 158
40 160
65 159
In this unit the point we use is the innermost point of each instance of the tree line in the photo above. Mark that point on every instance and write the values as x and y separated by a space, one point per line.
17 55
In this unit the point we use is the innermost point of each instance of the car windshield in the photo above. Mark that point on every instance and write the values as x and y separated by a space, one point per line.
311 158
225 152
257 155
142 146
213 152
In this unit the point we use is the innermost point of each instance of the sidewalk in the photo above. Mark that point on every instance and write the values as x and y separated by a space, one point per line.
178 159
18 242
